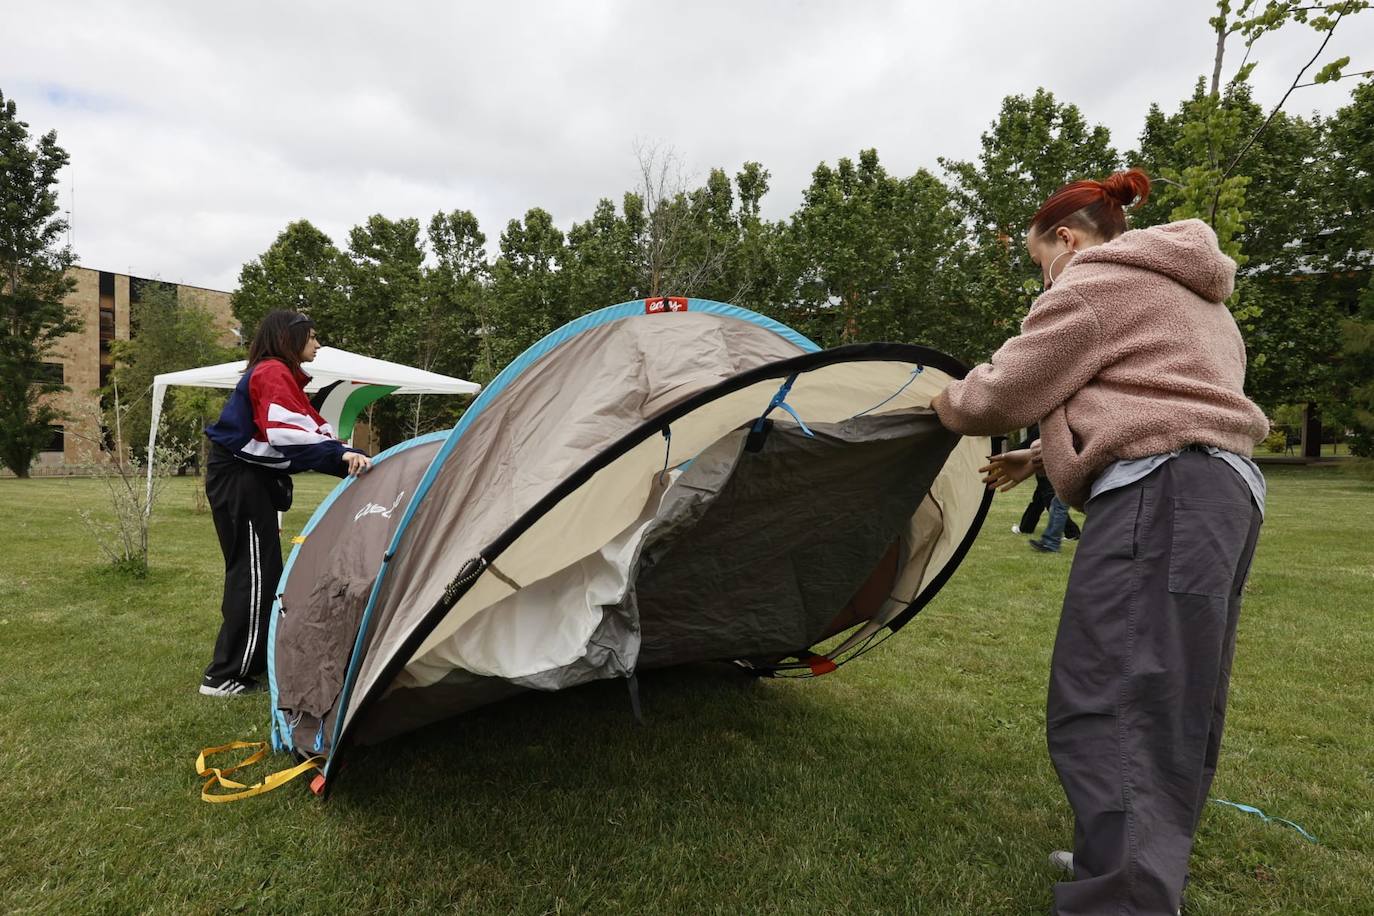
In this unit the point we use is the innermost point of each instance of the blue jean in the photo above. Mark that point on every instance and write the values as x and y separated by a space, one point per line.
1054 531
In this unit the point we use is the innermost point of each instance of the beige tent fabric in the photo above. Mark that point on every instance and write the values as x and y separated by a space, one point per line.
594 388
504 485
595 512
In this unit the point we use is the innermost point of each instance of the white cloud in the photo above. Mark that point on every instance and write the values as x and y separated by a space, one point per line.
198 132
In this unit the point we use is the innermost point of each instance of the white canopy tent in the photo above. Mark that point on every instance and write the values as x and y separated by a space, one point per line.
360 381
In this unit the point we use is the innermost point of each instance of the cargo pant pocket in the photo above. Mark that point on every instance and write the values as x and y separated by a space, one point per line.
1207 542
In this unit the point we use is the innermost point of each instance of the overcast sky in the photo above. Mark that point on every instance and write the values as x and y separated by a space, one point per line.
198 131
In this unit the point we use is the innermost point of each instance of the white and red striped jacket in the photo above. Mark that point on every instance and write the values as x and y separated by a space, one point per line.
270 422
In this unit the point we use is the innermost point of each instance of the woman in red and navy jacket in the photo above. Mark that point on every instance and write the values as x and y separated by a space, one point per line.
267 431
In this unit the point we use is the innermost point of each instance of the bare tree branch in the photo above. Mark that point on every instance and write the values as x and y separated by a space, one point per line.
1216 198
668 267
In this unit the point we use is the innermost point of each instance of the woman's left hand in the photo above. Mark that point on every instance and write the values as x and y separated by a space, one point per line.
357 463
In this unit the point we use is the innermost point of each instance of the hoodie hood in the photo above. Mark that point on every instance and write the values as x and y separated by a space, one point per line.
1185 252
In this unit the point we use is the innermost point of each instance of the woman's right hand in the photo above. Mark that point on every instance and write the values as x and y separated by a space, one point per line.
357 463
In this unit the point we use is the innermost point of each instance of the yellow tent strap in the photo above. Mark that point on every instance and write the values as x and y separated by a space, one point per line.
218 774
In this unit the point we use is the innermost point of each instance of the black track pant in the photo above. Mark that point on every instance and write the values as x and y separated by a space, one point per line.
1038 505
1138 682
246 522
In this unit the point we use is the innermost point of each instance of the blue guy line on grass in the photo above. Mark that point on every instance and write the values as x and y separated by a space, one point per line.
1251 809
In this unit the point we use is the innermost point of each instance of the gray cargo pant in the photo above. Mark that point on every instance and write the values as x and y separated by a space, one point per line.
1138 681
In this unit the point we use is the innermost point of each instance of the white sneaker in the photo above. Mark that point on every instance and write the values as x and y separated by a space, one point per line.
229 687
1015 529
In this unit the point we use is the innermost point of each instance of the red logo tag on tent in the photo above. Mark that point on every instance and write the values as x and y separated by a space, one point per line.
665 304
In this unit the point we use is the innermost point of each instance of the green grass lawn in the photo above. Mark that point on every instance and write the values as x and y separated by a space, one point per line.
914 780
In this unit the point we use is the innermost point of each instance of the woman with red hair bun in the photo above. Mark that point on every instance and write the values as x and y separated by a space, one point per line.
1134 369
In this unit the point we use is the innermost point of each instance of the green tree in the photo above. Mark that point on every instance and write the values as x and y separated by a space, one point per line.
669 239
449 327
386 310
33 287
301 270
754 272
1347 229
528 294
455 292
1349 253
709 239
167 335
386 288
1358 351
1035 146
681 234
600 262
1287 304
865 249
1212 185
728 251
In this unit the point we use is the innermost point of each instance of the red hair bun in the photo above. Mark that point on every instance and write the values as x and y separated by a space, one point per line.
1127 187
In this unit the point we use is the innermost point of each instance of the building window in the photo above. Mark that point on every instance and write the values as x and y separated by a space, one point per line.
107 311
57 439
53 374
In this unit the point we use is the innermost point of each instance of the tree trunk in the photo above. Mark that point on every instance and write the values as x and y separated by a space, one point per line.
850 332
1221 52
1311 432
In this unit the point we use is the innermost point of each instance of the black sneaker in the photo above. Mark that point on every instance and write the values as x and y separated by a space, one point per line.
229 687
1037 544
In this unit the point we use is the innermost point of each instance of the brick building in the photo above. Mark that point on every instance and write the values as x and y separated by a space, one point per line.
104 301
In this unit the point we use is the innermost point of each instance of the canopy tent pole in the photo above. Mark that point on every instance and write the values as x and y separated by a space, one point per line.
159 391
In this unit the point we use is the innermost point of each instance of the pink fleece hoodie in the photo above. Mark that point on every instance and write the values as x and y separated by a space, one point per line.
1131 353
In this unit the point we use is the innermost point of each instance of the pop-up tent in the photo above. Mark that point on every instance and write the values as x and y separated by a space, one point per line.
659 482
349 382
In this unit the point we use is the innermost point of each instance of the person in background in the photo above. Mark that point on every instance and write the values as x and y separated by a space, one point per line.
266 432
1056 530
1135 369
1042 500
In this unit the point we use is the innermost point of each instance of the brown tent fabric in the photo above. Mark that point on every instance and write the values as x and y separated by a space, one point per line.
618 506
322 603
